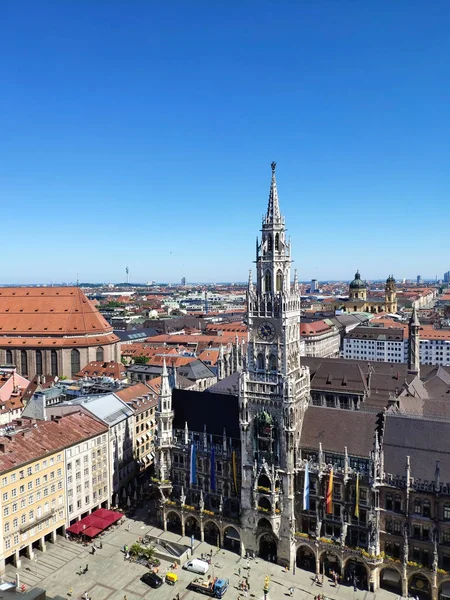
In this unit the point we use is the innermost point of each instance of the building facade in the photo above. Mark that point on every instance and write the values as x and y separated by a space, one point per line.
315 472
33 478
359 301
320 338
376 344
52 331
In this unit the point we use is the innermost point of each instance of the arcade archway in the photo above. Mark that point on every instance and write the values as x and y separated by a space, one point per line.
419 586
211 533
444 591
329 561
192 527
355 573
268 547
174 523
391 580
306 559
232 540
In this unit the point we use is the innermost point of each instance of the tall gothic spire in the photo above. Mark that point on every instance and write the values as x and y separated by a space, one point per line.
414 343
165 384
273 208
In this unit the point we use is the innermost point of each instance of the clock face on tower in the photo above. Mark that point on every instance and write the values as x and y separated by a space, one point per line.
266 331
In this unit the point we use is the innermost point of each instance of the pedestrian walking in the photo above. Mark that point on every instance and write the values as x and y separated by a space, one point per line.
69 593
86 569
86 596
124 598
239 571
291 591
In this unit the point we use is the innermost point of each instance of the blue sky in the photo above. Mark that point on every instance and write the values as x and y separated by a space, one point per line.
141 133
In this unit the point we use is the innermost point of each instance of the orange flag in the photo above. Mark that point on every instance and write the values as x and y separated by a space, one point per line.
330 493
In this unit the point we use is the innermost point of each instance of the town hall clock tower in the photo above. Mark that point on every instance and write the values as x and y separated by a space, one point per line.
274 391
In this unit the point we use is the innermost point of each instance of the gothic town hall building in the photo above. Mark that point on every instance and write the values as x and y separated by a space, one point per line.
320 464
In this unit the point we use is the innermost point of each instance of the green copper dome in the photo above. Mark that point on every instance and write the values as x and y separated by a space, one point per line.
358 283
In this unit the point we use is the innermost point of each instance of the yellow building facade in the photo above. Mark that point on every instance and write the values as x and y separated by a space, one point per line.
34 475
359 301
32 506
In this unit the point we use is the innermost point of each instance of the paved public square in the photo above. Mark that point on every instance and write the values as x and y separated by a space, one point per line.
110 577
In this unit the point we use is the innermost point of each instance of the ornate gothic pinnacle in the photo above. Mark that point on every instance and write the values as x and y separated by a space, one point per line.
273 208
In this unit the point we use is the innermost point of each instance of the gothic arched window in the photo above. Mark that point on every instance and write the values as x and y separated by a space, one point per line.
75 361
269 243
260 362
272 362
99 355
23 363
39 362
267 282
9 357
54 363
277 241
279 281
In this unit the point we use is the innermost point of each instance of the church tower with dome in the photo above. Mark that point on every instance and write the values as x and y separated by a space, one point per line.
274 391
358 288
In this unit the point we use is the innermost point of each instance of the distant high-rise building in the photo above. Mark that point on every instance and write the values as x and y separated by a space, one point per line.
183 281
447 277
314 286
419 279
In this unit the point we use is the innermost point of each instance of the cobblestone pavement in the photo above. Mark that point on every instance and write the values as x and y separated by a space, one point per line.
110 577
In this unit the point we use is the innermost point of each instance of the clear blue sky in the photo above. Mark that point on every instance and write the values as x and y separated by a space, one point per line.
141 133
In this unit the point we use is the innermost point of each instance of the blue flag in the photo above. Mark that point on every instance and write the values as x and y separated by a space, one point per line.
193 478
213 470
306 489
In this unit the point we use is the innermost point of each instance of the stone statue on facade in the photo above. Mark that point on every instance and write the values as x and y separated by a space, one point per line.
405 544
182 496
344 528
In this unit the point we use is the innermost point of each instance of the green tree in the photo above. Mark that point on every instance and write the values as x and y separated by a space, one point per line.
141 360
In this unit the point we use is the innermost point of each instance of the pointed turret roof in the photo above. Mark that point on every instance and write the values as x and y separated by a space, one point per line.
414 318
273 208
165 384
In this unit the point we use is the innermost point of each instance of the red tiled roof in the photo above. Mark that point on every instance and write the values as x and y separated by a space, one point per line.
49 311
98 368
314 328
42 317
133 391
35 439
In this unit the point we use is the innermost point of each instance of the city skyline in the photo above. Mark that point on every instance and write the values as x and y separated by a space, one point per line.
144 138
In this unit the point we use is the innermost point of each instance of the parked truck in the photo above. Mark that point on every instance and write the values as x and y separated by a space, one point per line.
214 587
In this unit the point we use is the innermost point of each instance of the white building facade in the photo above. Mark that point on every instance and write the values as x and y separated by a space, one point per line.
87 477
376 344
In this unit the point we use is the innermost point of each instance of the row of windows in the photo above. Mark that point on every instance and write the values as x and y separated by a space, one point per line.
15 539
419 506
87 499
33 513
37 467
31 499
75 360
37 483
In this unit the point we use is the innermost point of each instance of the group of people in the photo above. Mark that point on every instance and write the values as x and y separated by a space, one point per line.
207 557
334 577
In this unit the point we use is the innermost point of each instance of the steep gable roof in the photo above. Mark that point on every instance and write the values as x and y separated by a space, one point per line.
45 311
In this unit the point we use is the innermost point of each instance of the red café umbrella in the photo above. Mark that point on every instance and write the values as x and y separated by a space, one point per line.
76 528
92 531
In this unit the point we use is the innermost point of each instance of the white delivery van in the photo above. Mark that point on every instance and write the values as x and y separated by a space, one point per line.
196 566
